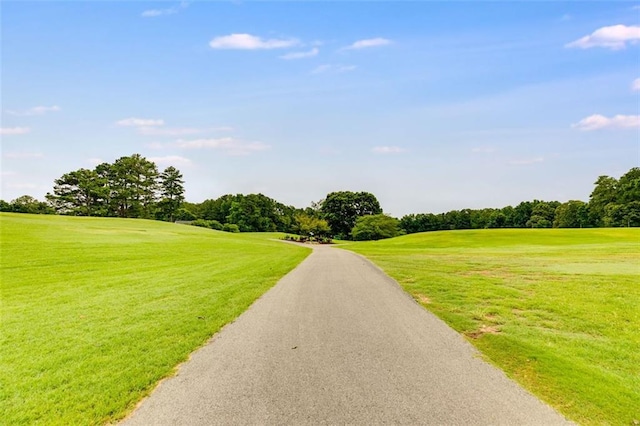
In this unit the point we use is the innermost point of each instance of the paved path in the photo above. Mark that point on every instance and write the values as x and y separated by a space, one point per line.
336 341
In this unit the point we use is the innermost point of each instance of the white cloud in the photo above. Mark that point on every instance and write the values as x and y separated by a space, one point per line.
153 13
95 161
22 186
155 145
231 146
597 121
333 68
169 131
14 130
140 122
249 42
37 110
371 42
171 160
615 37
23 155
484 149
527 161
300 55
635 86
388 150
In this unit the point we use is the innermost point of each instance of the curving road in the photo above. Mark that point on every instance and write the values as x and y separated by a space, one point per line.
336 341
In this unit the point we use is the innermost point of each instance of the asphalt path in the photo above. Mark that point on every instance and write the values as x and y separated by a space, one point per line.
336 341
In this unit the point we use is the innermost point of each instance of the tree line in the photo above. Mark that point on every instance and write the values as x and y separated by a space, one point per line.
613 203
133 187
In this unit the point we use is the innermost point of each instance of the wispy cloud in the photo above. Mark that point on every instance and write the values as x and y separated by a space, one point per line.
229 145
22 185
484 149
250 42
140 122
597 121
300 55
37 110
153 13
388 149
168 131
172 160
526 161
23 155
14 130
614 37
370 42
635 85
95 161
336 68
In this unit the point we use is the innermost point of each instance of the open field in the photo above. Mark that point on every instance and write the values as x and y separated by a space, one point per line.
96 311
557 310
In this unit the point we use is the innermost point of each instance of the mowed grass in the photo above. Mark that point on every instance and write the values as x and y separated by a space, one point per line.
96 311
557 310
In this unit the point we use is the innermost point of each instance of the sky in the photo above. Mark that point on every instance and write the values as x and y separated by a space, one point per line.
431 106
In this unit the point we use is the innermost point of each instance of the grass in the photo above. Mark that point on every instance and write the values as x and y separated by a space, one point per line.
557 310
96 311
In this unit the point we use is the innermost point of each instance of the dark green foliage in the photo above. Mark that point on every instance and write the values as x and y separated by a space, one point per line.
171 194
230 227
341 210
572 214
27 204
251 213
211 224
130 187
184 215
375 227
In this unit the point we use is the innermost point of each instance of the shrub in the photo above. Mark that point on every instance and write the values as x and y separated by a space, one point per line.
230 227
375 227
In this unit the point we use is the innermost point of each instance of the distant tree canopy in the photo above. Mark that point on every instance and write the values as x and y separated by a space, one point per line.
133 187
251 213
341 210
130 187
613 203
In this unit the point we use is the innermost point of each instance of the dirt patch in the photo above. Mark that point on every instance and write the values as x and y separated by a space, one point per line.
484 329
423 299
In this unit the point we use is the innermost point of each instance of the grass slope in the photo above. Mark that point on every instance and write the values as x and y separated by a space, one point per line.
96 311
557 310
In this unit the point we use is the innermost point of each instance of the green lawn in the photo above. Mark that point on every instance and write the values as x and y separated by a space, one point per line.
557 310
96 311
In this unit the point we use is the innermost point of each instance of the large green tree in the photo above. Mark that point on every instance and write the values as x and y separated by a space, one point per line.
81 193
603 194
375 227
133 182
572 214
341 209
171 193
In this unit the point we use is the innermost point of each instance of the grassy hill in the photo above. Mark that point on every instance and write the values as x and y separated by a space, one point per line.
557 310
95 311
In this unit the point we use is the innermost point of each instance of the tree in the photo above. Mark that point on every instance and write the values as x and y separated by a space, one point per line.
341 210
28 204
628 189
309 226
572 214
375 227
171 193
603 194
133 182
79 193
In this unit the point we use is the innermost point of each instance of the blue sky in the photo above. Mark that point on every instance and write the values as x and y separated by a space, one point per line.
431 106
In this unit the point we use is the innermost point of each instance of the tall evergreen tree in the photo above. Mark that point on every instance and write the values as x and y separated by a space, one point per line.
171 193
